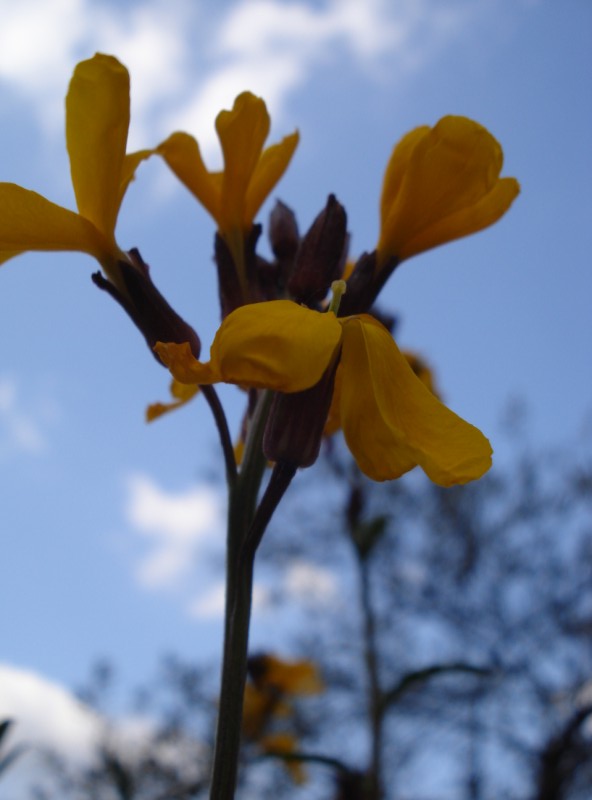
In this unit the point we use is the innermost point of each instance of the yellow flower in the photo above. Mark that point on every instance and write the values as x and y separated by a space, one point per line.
440 184
390 420
285 677
284 744
97 120
272 681
234 196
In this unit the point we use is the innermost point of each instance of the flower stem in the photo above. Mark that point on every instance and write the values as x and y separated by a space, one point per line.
242 503
215 405
234 670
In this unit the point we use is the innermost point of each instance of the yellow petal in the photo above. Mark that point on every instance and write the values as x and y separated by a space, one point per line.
128 171
396 168
275 345
468 220
391 421
97 121
422 370
272 165
242 133
30 222
181 152
440 185
184 366
182 393
291 677
333 421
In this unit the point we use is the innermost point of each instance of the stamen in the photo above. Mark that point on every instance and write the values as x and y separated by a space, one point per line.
338 289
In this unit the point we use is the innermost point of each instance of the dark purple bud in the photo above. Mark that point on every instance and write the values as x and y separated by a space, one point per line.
294 429
283 232
147 308
364 284
321 255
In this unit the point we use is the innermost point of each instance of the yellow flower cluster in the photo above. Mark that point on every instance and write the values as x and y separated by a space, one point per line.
441 183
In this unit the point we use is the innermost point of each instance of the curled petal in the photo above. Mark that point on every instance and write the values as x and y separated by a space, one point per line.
182 394
275 345
97 122
474 218
396 168
30 222
392 422
183 365
441 184
181 152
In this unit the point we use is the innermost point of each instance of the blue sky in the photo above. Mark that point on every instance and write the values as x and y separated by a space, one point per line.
112 530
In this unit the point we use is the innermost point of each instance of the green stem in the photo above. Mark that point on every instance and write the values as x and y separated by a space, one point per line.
281 477
215 405
234 670
242 503
375 707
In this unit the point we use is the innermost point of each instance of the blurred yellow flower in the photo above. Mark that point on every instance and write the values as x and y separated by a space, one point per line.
97 121
284 744
440 184
390 420
272 683
285 677
234 196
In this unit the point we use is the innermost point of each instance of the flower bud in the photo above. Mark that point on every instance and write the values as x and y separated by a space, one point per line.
363 285
321 256
283 232
284 239
145 305
294 429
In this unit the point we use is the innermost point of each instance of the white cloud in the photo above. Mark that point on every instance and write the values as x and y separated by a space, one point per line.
210 604
189 60
272 47
180 527
40 42
19 430
45 715
310 584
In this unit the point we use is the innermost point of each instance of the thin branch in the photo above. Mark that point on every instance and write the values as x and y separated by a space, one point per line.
215 405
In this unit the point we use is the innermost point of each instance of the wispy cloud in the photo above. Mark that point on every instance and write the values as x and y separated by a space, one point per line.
310 584
20 430
189 60
40 43
210 604
180 529
182 536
